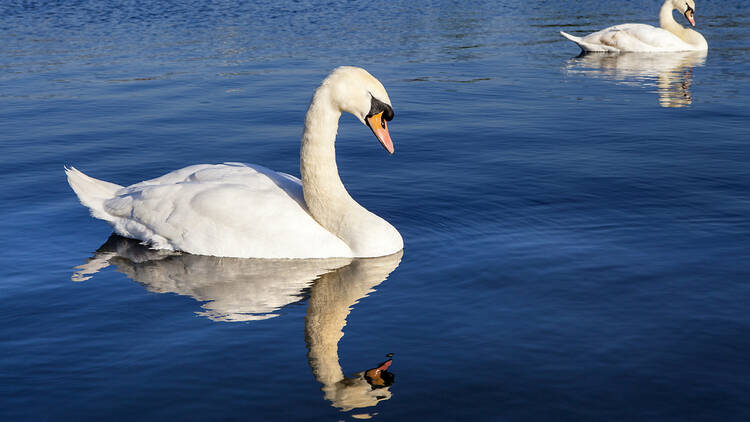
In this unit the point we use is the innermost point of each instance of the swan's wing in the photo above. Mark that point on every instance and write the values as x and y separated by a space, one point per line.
652 37
231 209
634 37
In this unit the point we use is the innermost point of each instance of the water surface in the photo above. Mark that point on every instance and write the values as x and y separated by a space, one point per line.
576 227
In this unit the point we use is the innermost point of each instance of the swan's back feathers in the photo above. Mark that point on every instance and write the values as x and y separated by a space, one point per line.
92 192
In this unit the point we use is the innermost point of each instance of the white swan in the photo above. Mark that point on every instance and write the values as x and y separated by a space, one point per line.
248 211
646 38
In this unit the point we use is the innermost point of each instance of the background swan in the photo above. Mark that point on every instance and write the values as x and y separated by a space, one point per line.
244 210
644 38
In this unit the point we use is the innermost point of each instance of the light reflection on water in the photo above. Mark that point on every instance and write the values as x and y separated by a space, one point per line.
670 73
235 290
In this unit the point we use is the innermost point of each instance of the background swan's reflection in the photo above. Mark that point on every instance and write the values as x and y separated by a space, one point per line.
235 289
670 73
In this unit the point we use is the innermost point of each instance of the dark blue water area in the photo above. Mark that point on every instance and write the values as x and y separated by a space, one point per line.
576 228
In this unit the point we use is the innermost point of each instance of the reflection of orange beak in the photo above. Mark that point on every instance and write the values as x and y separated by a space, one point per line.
374 375
380 128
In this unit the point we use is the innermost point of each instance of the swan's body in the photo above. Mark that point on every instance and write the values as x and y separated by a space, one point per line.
637 37
230 209
243 210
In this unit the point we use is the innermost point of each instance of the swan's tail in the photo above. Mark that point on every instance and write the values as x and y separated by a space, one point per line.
577 40
585 47
92 192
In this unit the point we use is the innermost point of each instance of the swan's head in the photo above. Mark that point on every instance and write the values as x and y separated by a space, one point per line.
357 92
687 8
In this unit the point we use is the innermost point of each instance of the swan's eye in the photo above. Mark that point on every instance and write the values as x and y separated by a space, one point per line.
377 106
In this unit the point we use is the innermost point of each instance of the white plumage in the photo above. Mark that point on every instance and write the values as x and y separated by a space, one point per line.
637 37
230 209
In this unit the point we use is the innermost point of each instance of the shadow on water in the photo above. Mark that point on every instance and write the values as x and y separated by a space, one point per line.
670 73
234 289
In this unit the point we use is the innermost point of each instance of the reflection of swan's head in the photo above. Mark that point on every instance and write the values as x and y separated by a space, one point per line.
363 389
354 90
331 299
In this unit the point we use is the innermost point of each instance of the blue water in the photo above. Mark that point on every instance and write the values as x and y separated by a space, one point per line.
576 228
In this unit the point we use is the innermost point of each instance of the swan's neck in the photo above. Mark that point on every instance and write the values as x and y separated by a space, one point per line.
326 198
667 22
325 195
666 19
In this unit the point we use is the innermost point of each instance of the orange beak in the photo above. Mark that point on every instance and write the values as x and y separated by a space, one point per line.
380 128
690 17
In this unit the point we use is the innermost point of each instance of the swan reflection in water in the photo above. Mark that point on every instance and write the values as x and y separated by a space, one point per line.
671 73
235 289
